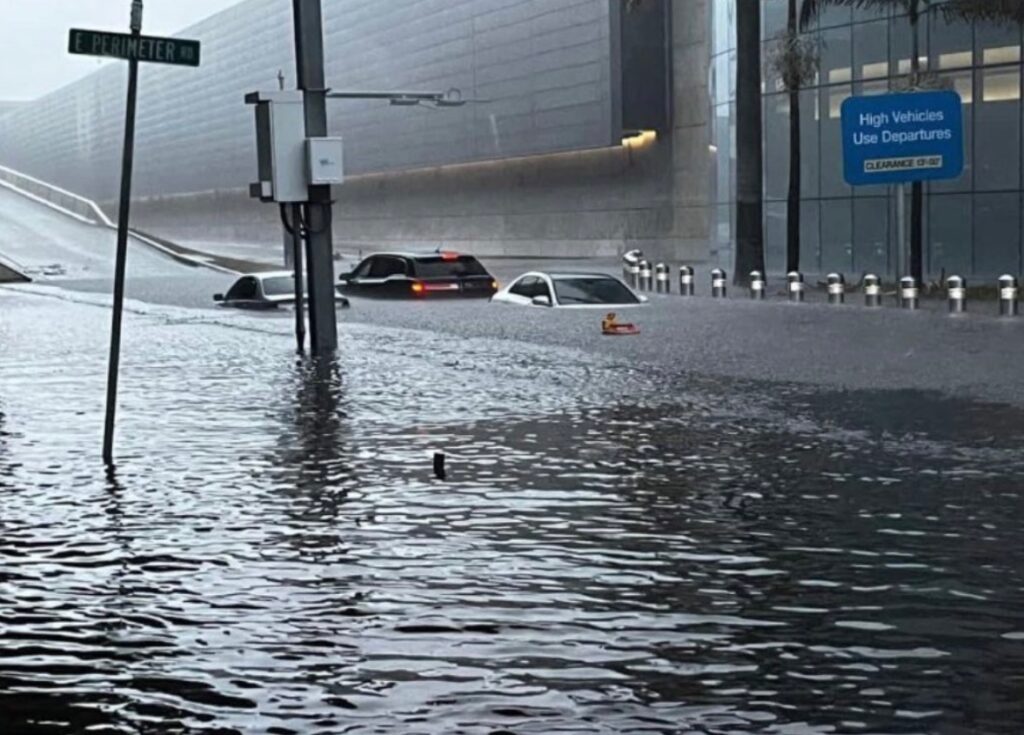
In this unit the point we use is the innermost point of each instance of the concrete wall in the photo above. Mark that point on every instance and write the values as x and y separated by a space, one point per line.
543 68
653 195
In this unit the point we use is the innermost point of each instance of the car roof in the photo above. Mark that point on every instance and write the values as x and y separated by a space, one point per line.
271 274
563 276
567 275
420 255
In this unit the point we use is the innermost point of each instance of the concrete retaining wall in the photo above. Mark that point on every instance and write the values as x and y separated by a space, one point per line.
653 194
11 272
590 203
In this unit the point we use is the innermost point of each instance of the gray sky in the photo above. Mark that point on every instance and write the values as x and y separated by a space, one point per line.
34 58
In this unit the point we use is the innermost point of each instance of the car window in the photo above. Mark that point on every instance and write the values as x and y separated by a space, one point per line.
442 266
244 288
594 290
384 266
524 287
279 286
363 268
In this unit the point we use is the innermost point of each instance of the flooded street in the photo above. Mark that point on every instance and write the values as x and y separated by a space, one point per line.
613 551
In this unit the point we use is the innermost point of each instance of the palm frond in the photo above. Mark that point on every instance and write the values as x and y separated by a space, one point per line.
996 11
810 10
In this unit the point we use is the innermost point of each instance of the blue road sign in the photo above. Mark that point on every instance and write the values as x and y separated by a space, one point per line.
895 138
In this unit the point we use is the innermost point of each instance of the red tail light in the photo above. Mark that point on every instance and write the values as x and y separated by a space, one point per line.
449 256
418 288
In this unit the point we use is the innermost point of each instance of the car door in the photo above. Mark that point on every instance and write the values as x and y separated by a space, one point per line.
521 290
543 288
389 276
353 283
527 288
244 294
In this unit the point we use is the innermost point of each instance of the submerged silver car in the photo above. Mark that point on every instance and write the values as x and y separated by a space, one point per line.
265 291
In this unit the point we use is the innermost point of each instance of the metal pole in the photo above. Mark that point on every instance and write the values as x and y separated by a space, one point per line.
300 307
309 59
114 365
902 251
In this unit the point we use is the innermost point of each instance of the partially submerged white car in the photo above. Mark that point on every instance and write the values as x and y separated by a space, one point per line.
267 290
569 291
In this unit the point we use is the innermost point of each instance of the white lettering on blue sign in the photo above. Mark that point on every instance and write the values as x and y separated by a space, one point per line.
902 137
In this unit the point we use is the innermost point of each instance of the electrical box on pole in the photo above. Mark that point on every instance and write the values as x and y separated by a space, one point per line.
325 159
280 147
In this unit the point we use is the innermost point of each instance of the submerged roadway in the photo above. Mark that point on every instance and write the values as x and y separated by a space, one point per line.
751 517
976 355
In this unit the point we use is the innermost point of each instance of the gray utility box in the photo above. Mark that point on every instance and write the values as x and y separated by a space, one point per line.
325 158
280 147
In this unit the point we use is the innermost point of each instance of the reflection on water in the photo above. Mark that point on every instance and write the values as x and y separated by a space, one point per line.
610 553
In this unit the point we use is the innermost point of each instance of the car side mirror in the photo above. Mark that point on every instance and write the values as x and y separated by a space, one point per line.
218 297
643 299
542 301
345 276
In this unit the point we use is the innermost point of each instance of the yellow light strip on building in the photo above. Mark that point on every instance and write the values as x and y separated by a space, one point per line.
640 139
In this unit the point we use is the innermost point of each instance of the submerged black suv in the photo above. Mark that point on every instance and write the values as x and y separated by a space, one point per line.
419 276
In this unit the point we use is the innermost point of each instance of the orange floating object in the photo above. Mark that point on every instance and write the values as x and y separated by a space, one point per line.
612 328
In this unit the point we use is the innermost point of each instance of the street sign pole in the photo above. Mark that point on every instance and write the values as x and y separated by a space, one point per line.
899 139
309 59
902 251
122 242
133 48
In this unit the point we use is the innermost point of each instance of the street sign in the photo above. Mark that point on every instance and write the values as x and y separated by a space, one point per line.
896 138
134 48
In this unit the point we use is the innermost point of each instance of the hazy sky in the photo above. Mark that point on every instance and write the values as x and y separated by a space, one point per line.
34 58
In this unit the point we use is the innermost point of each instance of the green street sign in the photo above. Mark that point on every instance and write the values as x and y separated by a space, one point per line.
140 48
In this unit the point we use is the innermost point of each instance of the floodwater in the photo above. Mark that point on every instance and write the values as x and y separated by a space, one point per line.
614 550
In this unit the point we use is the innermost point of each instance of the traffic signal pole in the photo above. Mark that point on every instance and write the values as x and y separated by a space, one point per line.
309 58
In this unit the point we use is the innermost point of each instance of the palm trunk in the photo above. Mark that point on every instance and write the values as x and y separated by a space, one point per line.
793 201
917 188
749 147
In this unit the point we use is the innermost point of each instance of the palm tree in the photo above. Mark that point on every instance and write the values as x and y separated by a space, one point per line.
749 146
795 61
1000 11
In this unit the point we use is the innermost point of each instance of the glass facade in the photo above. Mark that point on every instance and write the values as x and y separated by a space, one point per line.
973 224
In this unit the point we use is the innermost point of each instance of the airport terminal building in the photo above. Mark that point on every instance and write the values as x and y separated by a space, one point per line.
593 126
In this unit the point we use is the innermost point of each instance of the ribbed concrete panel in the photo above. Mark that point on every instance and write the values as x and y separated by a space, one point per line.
542 67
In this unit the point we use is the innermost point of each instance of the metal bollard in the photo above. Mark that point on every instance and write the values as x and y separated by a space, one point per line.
718 283
646 277
757 285
661 282
795 285
909 293
836 288
956 289
631 267
872 290
685 280
1009 293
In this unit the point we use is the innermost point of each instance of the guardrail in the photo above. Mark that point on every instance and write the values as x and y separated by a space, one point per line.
87 211
55 197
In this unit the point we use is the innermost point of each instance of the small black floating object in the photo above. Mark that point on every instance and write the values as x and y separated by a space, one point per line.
439 465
